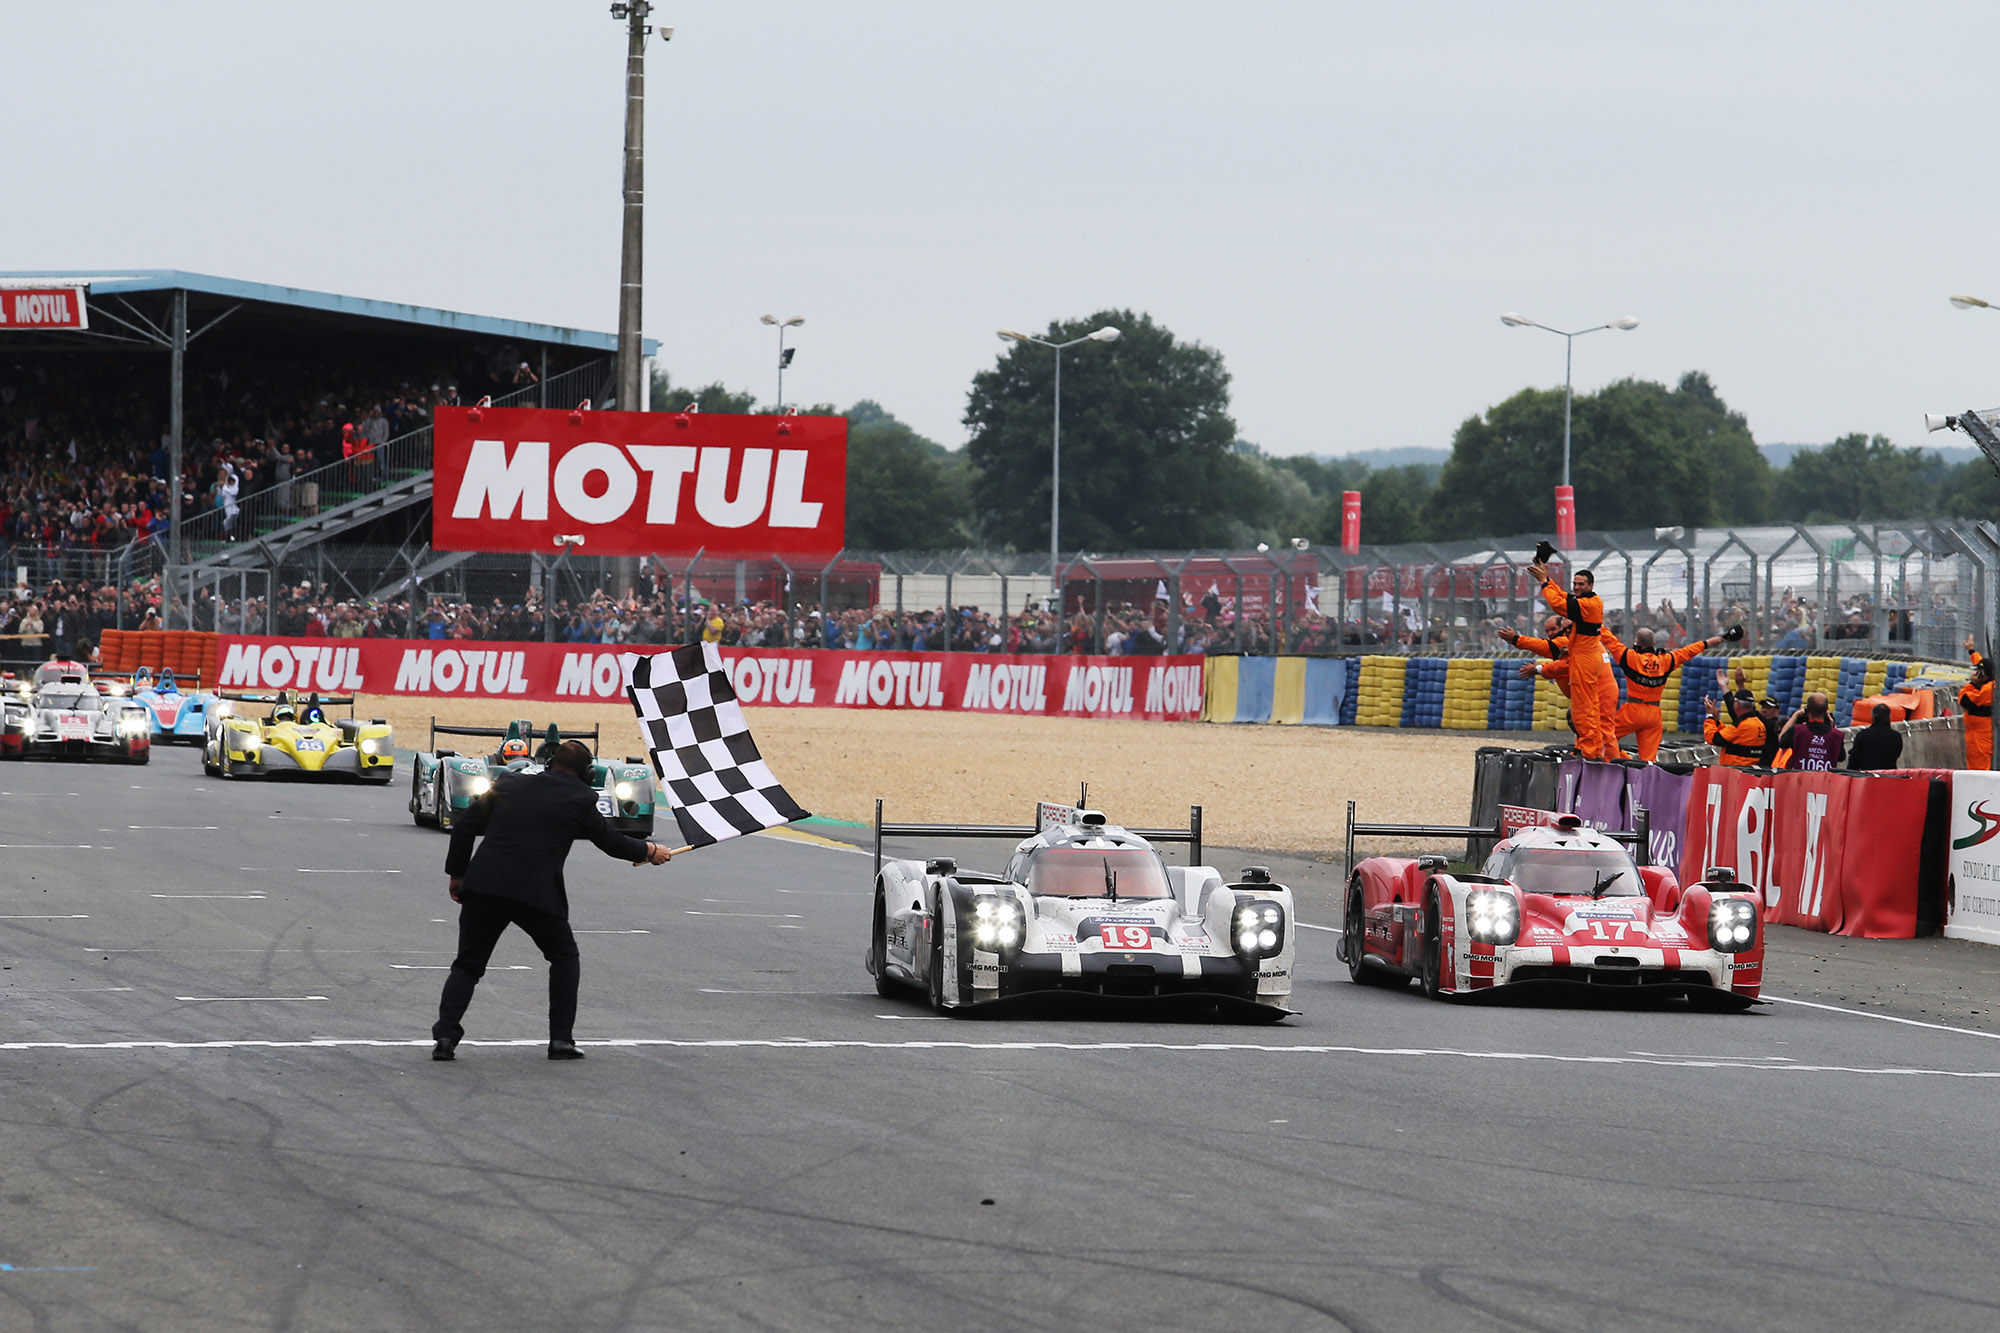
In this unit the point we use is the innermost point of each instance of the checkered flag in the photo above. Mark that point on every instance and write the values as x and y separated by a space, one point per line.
701 746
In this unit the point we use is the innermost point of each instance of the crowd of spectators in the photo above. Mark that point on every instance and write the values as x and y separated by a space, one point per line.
62 615
84 459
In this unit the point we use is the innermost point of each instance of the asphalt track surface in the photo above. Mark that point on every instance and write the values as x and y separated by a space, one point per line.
217 1111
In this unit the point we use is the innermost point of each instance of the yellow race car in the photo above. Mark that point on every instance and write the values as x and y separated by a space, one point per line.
296 739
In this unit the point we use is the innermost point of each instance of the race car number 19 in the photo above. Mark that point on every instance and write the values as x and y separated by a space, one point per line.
1127 937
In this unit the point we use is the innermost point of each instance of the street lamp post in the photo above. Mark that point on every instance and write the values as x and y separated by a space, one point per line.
1107 334
1565 495
784 358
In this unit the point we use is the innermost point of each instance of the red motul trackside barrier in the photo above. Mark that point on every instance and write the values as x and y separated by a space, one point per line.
1838 852
1156 688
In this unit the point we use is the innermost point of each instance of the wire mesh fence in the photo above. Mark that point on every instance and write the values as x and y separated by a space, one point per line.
1885 589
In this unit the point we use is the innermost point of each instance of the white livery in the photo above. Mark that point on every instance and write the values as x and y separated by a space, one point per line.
1082 908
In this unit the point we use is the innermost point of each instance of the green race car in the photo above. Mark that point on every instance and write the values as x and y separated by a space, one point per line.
445 783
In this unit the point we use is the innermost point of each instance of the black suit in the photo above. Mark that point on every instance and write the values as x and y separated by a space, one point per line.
529 823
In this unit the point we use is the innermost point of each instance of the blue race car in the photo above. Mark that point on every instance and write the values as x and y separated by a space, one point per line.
178 719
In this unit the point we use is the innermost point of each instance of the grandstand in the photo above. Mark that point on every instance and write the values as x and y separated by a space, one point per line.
245 392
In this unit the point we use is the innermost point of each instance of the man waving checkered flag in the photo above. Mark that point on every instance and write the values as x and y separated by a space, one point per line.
701 746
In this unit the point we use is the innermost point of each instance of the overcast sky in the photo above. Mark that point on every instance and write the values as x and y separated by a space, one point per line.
1341 198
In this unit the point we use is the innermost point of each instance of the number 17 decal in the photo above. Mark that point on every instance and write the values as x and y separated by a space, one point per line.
1597 930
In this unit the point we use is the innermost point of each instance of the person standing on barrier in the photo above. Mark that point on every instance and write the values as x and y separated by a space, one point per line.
1646 672
1589 670
1877 746
529 822
1740 737
1976 699
1816 744
1554 646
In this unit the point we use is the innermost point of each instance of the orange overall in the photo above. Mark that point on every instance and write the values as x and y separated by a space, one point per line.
1557 670
1589 672
1741 743
1645 682
1978 705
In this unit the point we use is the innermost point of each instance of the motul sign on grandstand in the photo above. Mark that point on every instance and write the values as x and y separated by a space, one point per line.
43 308
1159 688
638 483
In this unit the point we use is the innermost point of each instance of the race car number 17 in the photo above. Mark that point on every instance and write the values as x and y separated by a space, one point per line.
1127 937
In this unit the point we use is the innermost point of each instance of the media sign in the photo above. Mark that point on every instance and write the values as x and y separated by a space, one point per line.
638 483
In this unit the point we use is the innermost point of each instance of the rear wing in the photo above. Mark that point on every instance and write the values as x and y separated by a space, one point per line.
295 700
1191 835
1639 839
521 730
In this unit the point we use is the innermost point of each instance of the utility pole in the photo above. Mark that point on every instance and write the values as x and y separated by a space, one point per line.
631 264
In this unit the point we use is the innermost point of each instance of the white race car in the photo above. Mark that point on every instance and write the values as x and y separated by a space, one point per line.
1083 907
68 717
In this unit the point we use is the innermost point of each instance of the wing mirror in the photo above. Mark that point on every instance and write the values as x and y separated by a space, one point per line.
941 865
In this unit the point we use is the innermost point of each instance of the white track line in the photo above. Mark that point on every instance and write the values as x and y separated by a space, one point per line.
172 828
250 897
799 1044
211 999
67 916
1812 1004
1886 1018
766 916
446 967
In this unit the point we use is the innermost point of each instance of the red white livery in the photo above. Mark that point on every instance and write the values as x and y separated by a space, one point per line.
1554 906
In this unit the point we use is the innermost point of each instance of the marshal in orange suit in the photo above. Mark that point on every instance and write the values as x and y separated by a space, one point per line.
1646 672
1977 701
1555 646
1589 670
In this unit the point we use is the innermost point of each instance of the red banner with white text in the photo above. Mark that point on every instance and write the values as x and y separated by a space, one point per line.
1154 688
43 308
638 483
1837 852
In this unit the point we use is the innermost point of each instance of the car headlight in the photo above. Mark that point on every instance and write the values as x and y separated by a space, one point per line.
28 726
623 791
1732 925
1258 928
479 786
225 709
998 924
1492 916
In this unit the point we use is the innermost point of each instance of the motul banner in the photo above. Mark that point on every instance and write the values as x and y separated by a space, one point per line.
1972 889
43 308
638 483
1154 688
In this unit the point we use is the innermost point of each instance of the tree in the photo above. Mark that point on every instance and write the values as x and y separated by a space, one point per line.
716 397
1146 441
904 492
1856 477
1642 456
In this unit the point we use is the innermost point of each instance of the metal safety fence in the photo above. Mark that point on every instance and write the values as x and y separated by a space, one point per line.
1914 589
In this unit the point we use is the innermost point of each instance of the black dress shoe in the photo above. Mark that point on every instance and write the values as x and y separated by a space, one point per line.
564 1050
445 1050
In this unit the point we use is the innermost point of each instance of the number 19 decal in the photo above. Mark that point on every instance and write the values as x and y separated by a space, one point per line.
1127 937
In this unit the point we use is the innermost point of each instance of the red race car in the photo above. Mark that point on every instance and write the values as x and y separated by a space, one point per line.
1560 906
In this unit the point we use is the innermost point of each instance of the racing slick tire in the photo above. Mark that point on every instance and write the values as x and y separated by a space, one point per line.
1432 974
878 949
937 971
208 765
1353 949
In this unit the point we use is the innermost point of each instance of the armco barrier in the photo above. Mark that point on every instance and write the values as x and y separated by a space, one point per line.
1157 688
1858 854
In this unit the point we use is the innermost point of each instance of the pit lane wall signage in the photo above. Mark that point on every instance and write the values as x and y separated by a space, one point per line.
638 483
43 308
1972 891
1840 852
1153 688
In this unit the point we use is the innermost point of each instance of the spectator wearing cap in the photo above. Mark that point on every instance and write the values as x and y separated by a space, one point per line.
1768 712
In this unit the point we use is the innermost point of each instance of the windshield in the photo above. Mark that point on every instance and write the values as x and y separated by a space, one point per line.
69 700
1079 872
1557 871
